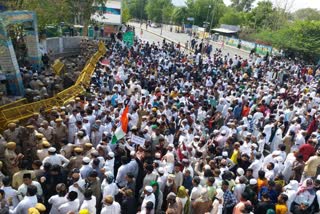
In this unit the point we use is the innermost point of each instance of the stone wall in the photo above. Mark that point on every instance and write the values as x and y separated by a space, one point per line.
61 46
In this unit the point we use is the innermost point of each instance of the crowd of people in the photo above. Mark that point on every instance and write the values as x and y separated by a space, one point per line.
206 134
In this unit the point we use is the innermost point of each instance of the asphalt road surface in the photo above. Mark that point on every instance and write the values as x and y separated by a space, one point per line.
154 35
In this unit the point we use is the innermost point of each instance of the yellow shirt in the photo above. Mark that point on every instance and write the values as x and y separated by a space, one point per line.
311 166
281 209
234 156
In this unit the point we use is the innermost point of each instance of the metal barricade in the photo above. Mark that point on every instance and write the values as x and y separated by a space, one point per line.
16 111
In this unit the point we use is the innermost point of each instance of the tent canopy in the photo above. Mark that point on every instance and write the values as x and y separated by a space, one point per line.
223 30
227 29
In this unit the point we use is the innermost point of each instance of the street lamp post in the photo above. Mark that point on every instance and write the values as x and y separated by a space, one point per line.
161 23
208 13
141 8
206 22
211 22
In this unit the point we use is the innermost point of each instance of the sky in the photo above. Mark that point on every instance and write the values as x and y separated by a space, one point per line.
297 4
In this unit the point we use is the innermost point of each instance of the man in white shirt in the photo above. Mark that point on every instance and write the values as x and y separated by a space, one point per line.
9 191
256 165
148 196
55 159
270 175
89 202
109 164
23 188
72 205
30 200
111 206
122 172
78 185
57 200
133 164
86 168
196 190
108 186
239 188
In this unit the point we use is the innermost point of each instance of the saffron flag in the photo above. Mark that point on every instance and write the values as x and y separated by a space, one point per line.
122 129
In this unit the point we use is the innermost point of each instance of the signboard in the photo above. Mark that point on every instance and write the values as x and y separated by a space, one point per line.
128 38
263 49
137 140
190 19
221 38
247 46
276 52
232 42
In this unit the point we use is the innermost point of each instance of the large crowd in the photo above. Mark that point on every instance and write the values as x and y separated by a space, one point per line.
206 133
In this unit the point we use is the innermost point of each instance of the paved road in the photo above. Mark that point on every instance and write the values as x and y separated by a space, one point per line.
153 35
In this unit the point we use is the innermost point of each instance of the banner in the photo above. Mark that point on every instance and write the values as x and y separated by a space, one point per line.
137 140
128 38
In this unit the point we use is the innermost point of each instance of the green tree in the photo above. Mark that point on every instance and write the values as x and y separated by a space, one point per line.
82 11
48 11
157 9
262 15
300 37
180 15
167 12
137 8
232 17
308 14
125 14
206 11
242 5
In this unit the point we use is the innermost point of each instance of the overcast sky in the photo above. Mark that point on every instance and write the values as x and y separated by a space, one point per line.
298 4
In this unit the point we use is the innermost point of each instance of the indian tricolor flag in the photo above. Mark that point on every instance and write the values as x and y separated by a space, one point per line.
121 131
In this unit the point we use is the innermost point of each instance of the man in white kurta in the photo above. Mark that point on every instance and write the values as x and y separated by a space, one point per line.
30 200
72 128
148 196
72 205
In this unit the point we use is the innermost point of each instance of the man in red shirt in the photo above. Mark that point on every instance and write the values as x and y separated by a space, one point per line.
308 149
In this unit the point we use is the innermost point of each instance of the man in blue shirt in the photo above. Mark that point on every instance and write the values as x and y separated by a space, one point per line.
229 200
270 190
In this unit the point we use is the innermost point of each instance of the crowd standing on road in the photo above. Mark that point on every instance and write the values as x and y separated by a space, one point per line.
206 134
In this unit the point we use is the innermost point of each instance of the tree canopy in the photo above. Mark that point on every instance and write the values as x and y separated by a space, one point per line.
299 37
242 5
57 11
307 14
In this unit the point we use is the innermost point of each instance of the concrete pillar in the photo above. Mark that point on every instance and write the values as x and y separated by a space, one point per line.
9 64
32 43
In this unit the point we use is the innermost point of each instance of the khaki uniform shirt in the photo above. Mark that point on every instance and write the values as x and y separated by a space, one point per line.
47 133
61 133
75 162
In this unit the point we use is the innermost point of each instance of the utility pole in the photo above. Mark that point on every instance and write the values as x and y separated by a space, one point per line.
141 7
211 22
161 22
208 13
